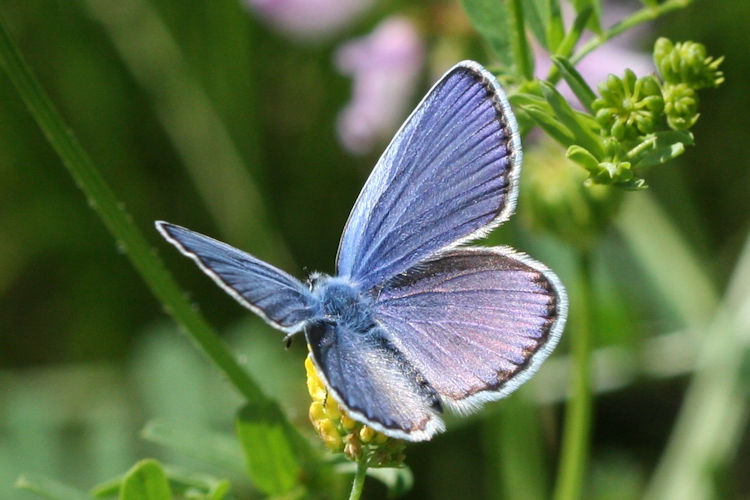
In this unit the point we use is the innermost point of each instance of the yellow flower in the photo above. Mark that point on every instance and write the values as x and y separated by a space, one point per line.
341 433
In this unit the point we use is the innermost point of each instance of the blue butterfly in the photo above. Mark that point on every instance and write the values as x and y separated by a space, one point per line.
413 322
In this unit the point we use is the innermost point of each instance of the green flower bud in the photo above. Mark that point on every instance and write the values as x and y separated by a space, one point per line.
341 433
681 106
629 107
687 62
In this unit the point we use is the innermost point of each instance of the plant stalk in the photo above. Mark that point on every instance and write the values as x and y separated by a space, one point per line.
359 478
641 16
577 426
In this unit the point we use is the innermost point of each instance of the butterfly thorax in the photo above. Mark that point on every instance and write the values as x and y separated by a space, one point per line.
343 303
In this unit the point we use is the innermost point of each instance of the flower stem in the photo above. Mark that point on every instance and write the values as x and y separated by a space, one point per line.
359 478
577 427
521 52
640 16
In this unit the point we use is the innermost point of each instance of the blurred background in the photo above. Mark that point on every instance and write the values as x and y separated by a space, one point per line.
257 123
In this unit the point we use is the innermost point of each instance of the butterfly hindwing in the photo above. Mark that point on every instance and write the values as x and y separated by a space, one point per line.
476 322
274 295
450 174
373 381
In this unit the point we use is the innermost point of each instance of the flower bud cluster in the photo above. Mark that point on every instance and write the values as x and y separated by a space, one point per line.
341 433
645 120
629 107
687 63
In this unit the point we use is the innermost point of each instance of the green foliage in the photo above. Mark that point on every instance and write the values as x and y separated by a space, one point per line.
640 122
145 481
49 488
268 444
491 19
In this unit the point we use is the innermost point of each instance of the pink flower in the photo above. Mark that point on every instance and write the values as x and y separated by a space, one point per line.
309 19
385 67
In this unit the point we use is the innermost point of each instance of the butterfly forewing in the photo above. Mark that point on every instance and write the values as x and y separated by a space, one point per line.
476 322
449 175
278 298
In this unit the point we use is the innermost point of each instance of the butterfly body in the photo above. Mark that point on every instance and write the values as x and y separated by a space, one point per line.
342 302
414 322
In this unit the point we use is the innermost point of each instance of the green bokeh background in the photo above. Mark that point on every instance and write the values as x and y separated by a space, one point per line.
87 356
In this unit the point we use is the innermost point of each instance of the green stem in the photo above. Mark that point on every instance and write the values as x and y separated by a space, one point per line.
555 26
640 16
521 52
516 451
577 427
359 478
568 43
129 238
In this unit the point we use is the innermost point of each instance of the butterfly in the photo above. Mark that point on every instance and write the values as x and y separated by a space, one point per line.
413 322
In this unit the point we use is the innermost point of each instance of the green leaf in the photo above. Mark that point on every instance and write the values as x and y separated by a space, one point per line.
576 82
196 485
521 99
107 488
212 447
568 43
583 127
398 480
491 19
551 125
49 488
145 481
535 12
270 448
555 25
199 485
595 24
660 147
219 491
583 158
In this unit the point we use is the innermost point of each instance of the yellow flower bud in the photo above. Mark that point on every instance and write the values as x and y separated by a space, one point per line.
317 411
366 434
347 422
314 385
330 435
332 409
380 438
